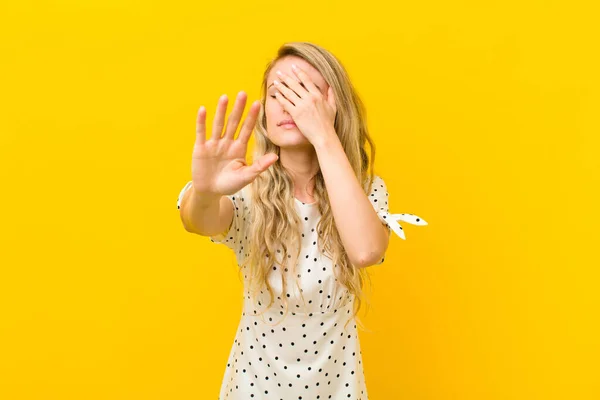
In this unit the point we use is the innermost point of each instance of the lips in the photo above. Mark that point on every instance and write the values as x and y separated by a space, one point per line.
287 121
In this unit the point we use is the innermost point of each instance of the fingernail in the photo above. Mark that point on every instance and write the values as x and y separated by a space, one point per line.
294 66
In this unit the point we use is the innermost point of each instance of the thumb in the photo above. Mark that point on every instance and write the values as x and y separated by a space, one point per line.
261 165
331 98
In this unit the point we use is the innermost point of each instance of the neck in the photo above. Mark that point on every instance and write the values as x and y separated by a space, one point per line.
303 165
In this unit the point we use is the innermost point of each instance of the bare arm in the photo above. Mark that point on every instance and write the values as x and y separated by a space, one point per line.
219 168
205 215
364 237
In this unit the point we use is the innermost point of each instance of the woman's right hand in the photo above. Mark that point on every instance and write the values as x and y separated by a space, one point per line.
219 164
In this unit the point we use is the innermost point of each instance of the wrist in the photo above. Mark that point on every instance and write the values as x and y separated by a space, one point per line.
326 140
205 199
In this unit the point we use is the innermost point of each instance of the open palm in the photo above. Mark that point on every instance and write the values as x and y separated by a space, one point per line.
219 164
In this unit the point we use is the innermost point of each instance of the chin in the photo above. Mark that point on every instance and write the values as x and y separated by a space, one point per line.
290 138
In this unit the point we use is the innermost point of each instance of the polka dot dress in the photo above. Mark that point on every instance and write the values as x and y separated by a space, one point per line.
308 352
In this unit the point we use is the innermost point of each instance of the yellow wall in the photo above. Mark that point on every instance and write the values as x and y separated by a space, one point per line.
486 121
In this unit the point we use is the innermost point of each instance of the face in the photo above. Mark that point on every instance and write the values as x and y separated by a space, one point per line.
281 135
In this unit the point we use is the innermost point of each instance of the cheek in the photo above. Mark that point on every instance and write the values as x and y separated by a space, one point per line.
272 112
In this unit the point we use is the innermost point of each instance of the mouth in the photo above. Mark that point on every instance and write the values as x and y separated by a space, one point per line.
287 123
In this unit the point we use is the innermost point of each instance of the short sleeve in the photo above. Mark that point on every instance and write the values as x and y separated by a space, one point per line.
182 192
379 199
234 236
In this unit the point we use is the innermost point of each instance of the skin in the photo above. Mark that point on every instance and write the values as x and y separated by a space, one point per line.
297 153
312 107
311 146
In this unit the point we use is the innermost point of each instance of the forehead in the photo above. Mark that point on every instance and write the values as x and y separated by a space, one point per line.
285 66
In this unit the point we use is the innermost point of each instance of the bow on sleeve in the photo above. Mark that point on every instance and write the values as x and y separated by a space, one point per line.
392 221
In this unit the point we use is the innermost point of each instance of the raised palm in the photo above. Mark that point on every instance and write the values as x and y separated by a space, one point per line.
219 164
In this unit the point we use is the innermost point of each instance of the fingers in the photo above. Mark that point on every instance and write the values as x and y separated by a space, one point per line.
293 84
219 117
289 94
236 114
305 79
285 103
249 122
201 125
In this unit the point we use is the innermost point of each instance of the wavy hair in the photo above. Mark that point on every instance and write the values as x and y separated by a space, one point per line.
275 223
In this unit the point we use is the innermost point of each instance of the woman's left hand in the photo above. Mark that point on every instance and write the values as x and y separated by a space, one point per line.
313 114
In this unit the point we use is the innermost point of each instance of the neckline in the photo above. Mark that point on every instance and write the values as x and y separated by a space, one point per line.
305 204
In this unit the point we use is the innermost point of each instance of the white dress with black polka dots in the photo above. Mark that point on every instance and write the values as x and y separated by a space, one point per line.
309 352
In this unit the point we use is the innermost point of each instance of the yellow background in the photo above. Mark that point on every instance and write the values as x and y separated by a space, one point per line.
486 119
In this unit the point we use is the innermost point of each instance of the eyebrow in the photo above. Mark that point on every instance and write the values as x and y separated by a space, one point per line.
300 83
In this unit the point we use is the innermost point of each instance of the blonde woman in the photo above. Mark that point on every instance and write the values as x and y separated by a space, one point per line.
304 220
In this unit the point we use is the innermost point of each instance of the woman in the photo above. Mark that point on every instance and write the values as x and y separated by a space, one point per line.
304 220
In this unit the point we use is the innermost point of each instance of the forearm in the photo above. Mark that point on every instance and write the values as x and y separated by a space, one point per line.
200 214
363 235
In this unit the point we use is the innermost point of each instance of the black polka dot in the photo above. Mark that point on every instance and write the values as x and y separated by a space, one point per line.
317 316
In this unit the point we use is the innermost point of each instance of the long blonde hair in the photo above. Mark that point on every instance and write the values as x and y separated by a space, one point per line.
274 222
